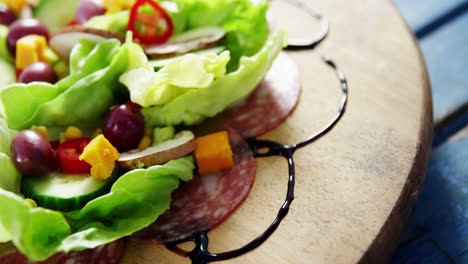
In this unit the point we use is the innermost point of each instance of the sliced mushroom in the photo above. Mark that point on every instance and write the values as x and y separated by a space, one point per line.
63 40
182 144
186 42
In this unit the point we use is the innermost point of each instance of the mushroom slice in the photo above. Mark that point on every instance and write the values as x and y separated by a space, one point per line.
182 144
63 41
191 40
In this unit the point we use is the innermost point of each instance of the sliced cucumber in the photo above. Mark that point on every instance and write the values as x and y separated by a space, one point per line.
157 64
56 13
8 72
65 192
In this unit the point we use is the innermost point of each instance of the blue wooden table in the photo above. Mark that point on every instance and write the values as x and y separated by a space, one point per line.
438 229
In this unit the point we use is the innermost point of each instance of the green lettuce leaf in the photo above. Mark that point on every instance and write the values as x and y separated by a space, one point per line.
244 21
149 88
81 98
196 104
10 178
136 200
4 53
116 23
161 134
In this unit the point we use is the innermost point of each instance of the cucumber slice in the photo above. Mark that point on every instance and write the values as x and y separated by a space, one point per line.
65 192
8 72
56 13
157 64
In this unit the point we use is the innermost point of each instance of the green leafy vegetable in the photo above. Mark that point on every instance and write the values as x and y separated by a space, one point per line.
149 88
4 53
244 21
162 134
194 104
135 201
10 178
84 96
114 22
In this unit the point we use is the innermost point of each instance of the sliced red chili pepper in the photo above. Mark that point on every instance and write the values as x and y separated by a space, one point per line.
68 154
73 22
149 23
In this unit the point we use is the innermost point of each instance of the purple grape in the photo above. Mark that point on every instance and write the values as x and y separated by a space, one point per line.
124 127
38 72
6 15
31 153
87 9
24 27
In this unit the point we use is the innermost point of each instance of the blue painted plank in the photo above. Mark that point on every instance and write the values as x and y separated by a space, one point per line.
446 55
420 13
428 253
438 229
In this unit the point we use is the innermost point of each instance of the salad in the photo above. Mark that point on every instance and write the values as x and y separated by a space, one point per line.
97 104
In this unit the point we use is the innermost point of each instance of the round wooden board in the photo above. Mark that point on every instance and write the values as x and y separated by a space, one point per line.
356 186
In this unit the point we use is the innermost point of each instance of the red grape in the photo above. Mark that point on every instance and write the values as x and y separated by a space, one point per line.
38 72
24 27
124 127
87 9
6 15
31 153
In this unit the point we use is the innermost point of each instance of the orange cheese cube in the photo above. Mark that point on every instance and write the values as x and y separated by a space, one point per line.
101 155
213 153
30 49
16 5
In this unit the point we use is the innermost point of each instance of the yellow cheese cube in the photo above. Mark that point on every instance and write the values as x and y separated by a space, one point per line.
16 5
30 49
126 4
101 155
114 6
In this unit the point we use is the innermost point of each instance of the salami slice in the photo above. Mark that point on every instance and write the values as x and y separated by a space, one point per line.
107 254
271 103
205 201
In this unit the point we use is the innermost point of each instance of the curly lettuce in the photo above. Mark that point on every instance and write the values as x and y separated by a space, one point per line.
190 101
81 98
136 200
243 20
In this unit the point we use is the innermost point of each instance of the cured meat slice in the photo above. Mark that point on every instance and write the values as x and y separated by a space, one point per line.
205 201
271 102
107 254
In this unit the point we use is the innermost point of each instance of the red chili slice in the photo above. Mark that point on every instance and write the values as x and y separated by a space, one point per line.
149 23
68 154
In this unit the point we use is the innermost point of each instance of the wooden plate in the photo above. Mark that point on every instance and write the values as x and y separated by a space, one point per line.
356 186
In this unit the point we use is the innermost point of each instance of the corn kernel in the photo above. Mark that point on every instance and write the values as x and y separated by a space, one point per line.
73 132
97 133
31 202
144 143
41 130
148 131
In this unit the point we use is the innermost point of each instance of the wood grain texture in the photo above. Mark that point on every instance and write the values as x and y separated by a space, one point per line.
356 186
